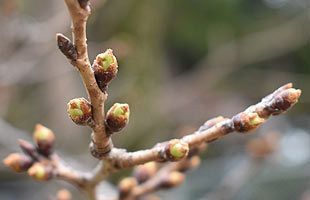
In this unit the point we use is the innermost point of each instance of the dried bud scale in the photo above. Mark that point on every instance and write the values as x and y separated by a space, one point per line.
117 117
105 69
40 172
18 162
176 150
79 110
44 138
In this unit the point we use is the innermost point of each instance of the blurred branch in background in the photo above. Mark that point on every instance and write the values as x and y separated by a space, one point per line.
222 60
258 150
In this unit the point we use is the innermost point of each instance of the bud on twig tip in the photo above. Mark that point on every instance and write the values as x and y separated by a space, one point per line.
44 138
79 110
18 162
66 47
40 172
117 117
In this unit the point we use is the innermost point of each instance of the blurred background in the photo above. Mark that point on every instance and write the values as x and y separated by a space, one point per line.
181 62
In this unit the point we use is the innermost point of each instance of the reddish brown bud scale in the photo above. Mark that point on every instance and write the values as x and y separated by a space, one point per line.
40 172
144 172
176 150
117 117
44 138
105 69
79 110
18 162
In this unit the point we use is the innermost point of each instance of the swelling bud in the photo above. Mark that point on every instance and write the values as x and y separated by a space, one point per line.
117 117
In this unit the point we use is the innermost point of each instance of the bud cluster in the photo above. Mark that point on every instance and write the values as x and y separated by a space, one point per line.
36 156
105 69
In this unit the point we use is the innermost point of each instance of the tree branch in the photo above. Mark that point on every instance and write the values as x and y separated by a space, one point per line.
101 143
274 104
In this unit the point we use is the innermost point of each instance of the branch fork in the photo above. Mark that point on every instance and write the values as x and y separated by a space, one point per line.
160 167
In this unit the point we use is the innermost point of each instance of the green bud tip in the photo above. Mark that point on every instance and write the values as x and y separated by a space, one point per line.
121 110
79 110
39 172
177 149
255 120
106 59
41 133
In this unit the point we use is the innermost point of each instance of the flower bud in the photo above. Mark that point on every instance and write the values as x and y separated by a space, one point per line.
173 179
18 162
176 150
117 117
286 99
105 69
64 195
245 122
79 110
85 4
144 172
126 185
44 138
28 149
191 163
40 172
66 47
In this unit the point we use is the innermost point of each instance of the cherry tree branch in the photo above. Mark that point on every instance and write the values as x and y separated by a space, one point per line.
274 104
43 164
79 12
